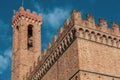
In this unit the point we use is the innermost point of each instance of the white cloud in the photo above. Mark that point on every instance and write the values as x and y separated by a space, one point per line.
56 17
4 60
5 55
52 17
37 7
8 53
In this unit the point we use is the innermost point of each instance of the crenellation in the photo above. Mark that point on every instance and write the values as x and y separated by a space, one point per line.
35 65
66 23
28 16
90 21
44 52
103 22
115 28
21 9
40 16
49 46
28 11
64 33
98 36
54 39
60 32
54 54
39 59
103 25
76 17
34 13
109 31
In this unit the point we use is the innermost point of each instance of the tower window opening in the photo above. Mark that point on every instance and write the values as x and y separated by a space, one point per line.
17 28
30 36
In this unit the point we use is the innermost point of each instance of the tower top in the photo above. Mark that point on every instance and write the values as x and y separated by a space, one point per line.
27 15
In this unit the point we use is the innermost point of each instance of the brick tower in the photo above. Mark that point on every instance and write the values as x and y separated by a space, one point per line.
26 42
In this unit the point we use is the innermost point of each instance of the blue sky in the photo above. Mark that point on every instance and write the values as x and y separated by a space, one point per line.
54 13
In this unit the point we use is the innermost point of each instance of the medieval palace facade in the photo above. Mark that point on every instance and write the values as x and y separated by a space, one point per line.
84 50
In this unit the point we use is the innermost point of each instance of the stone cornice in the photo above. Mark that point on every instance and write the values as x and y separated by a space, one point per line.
27 16
98 36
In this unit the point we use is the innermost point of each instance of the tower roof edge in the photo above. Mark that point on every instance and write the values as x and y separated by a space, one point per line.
26 14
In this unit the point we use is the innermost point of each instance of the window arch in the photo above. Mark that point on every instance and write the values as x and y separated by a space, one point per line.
17 27
30 36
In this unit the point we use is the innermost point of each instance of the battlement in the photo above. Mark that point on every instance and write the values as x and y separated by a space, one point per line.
75 28
26 15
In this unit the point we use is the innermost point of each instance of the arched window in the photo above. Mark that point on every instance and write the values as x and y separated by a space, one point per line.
17 28
30 36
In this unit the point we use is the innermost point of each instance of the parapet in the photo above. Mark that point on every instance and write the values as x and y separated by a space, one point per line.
54 39
66 23
76 28
76 17
60 31
115 28
90 21
26 15
103 22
